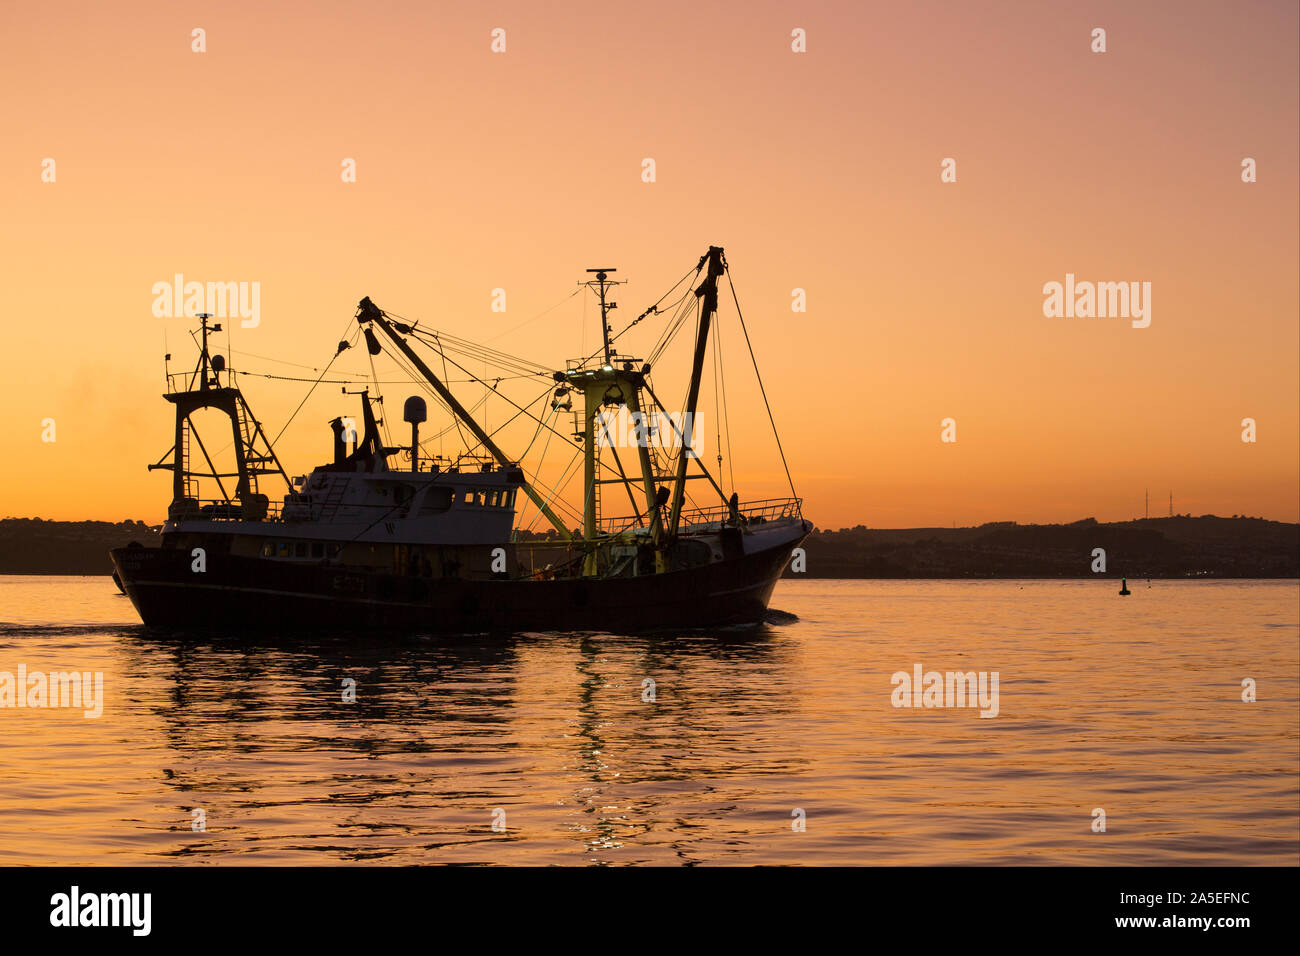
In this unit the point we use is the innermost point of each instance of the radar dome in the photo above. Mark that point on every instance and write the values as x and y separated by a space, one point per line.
415 410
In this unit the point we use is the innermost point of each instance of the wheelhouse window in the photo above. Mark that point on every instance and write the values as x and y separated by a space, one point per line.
436 501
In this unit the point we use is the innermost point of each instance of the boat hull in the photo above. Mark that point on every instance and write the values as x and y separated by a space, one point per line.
260 594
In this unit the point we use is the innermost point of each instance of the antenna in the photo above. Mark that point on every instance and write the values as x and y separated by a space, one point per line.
205 363
602 280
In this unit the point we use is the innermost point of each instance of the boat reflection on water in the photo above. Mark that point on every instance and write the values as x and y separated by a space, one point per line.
556 737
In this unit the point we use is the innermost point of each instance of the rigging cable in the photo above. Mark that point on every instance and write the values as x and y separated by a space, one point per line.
759 376
541 460
509 400
537 316
375 379
726 418
717 400
454 417
439 347
654 309
670 333
317 382
359 378
554 500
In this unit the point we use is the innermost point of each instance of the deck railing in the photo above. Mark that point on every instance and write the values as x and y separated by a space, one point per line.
196 509
750 512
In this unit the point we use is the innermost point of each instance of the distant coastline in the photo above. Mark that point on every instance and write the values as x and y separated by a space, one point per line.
1179 546
37 546
1172 547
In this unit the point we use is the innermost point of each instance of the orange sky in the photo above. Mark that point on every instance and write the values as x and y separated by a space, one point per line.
819 171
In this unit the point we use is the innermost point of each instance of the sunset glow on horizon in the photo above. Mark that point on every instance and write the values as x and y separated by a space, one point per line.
818 171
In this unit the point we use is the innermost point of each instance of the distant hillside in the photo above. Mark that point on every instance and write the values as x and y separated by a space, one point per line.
1181 546
34 546
1176 547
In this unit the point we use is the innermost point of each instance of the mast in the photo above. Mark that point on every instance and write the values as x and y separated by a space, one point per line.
616 382
601 276
369 312
708 294
202 370
595 400
246 430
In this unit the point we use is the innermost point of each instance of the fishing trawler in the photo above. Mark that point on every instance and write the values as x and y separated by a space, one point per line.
393 536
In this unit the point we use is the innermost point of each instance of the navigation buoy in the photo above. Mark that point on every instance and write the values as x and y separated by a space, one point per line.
1123 586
